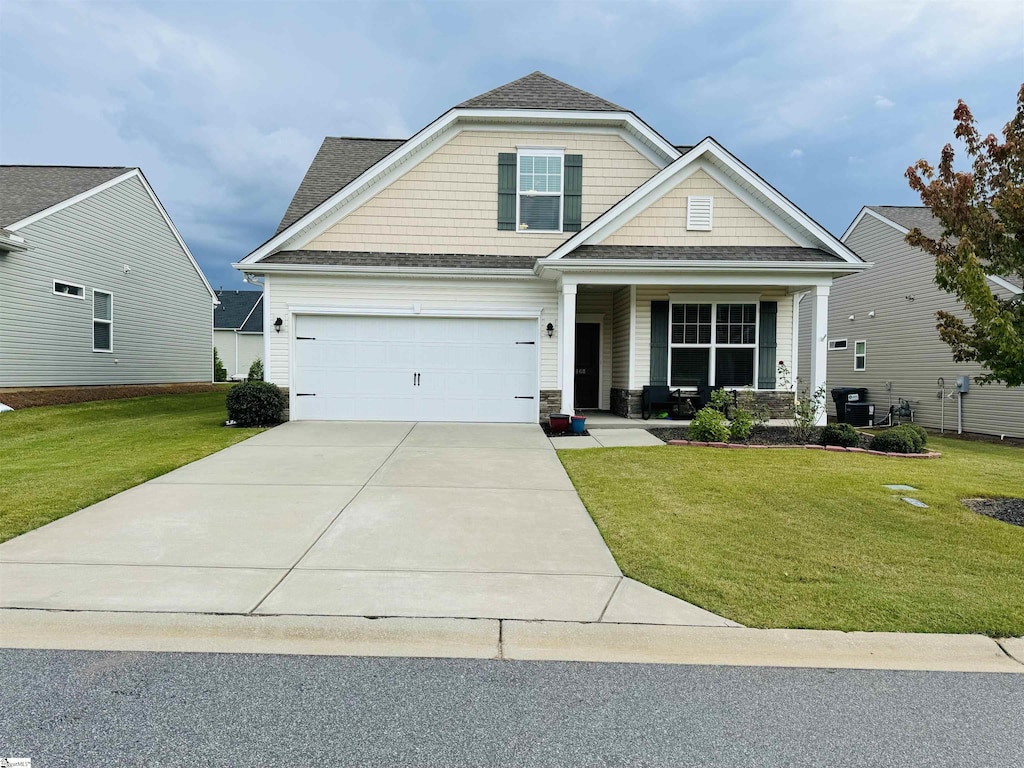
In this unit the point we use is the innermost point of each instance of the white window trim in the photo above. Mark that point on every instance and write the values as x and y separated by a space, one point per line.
542 152
110 322
863 355
69 295
714 300
690 226
834 345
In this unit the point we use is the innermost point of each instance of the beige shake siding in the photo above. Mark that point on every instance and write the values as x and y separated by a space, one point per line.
664 222
620 339
903 346
401 294
448 203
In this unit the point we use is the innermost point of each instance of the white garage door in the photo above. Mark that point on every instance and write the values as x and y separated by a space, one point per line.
415 369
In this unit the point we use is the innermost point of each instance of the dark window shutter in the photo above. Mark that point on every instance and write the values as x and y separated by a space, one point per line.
659 342
507 190
572 191
766 345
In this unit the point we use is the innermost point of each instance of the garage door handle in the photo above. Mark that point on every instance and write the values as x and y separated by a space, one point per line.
415 379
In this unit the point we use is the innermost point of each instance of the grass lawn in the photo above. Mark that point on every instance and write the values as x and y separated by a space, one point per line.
798 538
59 459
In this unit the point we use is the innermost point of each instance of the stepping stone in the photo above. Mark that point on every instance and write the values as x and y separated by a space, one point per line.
914 502
900 487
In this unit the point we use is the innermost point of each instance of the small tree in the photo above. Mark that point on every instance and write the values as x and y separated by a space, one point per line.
982 217
220 373
256 370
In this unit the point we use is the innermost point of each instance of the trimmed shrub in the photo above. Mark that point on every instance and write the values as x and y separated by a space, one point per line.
220 373
256 370
255 404
720 400
918 430
709 426
839 434
897 440
742 425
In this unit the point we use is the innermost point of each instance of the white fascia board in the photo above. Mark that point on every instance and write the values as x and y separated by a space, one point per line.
659 184
341 269
865 211
258 305
664 265
718 278
353 194
1006 285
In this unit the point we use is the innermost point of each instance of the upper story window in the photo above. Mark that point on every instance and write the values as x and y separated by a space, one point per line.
699 211
102 321
68 289
539 190
860 355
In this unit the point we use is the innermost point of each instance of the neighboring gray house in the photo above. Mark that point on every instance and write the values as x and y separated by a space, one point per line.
881 328
238 330
96 284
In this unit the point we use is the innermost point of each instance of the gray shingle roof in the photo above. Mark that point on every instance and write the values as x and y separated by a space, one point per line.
28 189
911 216
702 253
234 307
369 259
539 91
339 161
254 323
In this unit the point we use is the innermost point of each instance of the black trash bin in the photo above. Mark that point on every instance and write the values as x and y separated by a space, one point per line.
841 396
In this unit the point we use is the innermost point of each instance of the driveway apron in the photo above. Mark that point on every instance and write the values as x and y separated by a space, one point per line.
353 518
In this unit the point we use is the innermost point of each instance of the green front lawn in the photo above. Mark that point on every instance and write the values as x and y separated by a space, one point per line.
59 459
799 538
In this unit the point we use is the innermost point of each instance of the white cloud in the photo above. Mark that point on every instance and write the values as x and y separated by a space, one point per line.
883 103
796 154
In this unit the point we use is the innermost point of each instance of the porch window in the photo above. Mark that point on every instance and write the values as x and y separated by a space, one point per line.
721 353
539 194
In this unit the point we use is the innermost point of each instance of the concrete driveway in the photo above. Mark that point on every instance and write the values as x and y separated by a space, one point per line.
350 519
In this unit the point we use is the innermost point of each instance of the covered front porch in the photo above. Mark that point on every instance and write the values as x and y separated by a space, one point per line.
689 331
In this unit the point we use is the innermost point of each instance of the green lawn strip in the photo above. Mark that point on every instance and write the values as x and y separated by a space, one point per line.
59 459
799 538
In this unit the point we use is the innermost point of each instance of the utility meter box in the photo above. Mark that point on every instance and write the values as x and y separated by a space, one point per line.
963 383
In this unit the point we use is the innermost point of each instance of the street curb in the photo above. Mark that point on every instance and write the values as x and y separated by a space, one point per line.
505 639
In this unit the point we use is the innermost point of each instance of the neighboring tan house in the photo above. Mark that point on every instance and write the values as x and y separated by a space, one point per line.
238 330
96 284
882 330
535 249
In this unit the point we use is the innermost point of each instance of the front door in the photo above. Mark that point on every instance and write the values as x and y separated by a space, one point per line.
588 365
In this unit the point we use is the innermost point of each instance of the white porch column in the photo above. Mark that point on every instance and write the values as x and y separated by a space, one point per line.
819 343
567 363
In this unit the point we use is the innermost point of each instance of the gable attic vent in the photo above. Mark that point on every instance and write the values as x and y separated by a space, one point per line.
698 212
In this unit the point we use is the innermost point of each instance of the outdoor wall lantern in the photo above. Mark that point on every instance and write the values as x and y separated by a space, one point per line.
277 324
551 330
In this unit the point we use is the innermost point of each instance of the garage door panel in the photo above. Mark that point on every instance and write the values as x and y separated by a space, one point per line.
471 369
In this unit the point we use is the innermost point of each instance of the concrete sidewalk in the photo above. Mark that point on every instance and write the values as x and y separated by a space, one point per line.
506 639
345 519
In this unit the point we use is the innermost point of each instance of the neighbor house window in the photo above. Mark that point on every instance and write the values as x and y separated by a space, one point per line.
860 355
837 344
539 193
102 321
713 343
68 289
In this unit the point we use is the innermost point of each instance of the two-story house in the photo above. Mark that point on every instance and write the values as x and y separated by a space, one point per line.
534 249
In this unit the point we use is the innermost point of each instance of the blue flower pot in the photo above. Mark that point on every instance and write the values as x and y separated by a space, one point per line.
579 424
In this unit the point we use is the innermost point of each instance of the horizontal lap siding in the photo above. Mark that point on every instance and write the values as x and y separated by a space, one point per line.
163 313
449 202
600 303
401 294
224 343
664 222
903 345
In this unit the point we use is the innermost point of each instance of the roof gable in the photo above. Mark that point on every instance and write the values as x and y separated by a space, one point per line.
337 163
539 91
29 189
709 156
235 307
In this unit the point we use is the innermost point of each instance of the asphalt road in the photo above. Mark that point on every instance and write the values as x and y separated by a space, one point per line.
72 708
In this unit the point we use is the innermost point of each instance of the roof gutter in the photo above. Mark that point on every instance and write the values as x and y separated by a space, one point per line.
259 268
666 265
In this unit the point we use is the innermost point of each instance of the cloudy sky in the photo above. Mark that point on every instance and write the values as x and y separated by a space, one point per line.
224 104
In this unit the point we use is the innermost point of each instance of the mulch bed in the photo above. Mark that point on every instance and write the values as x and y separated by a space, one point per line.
779 437
568 433
34 398
1007 509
